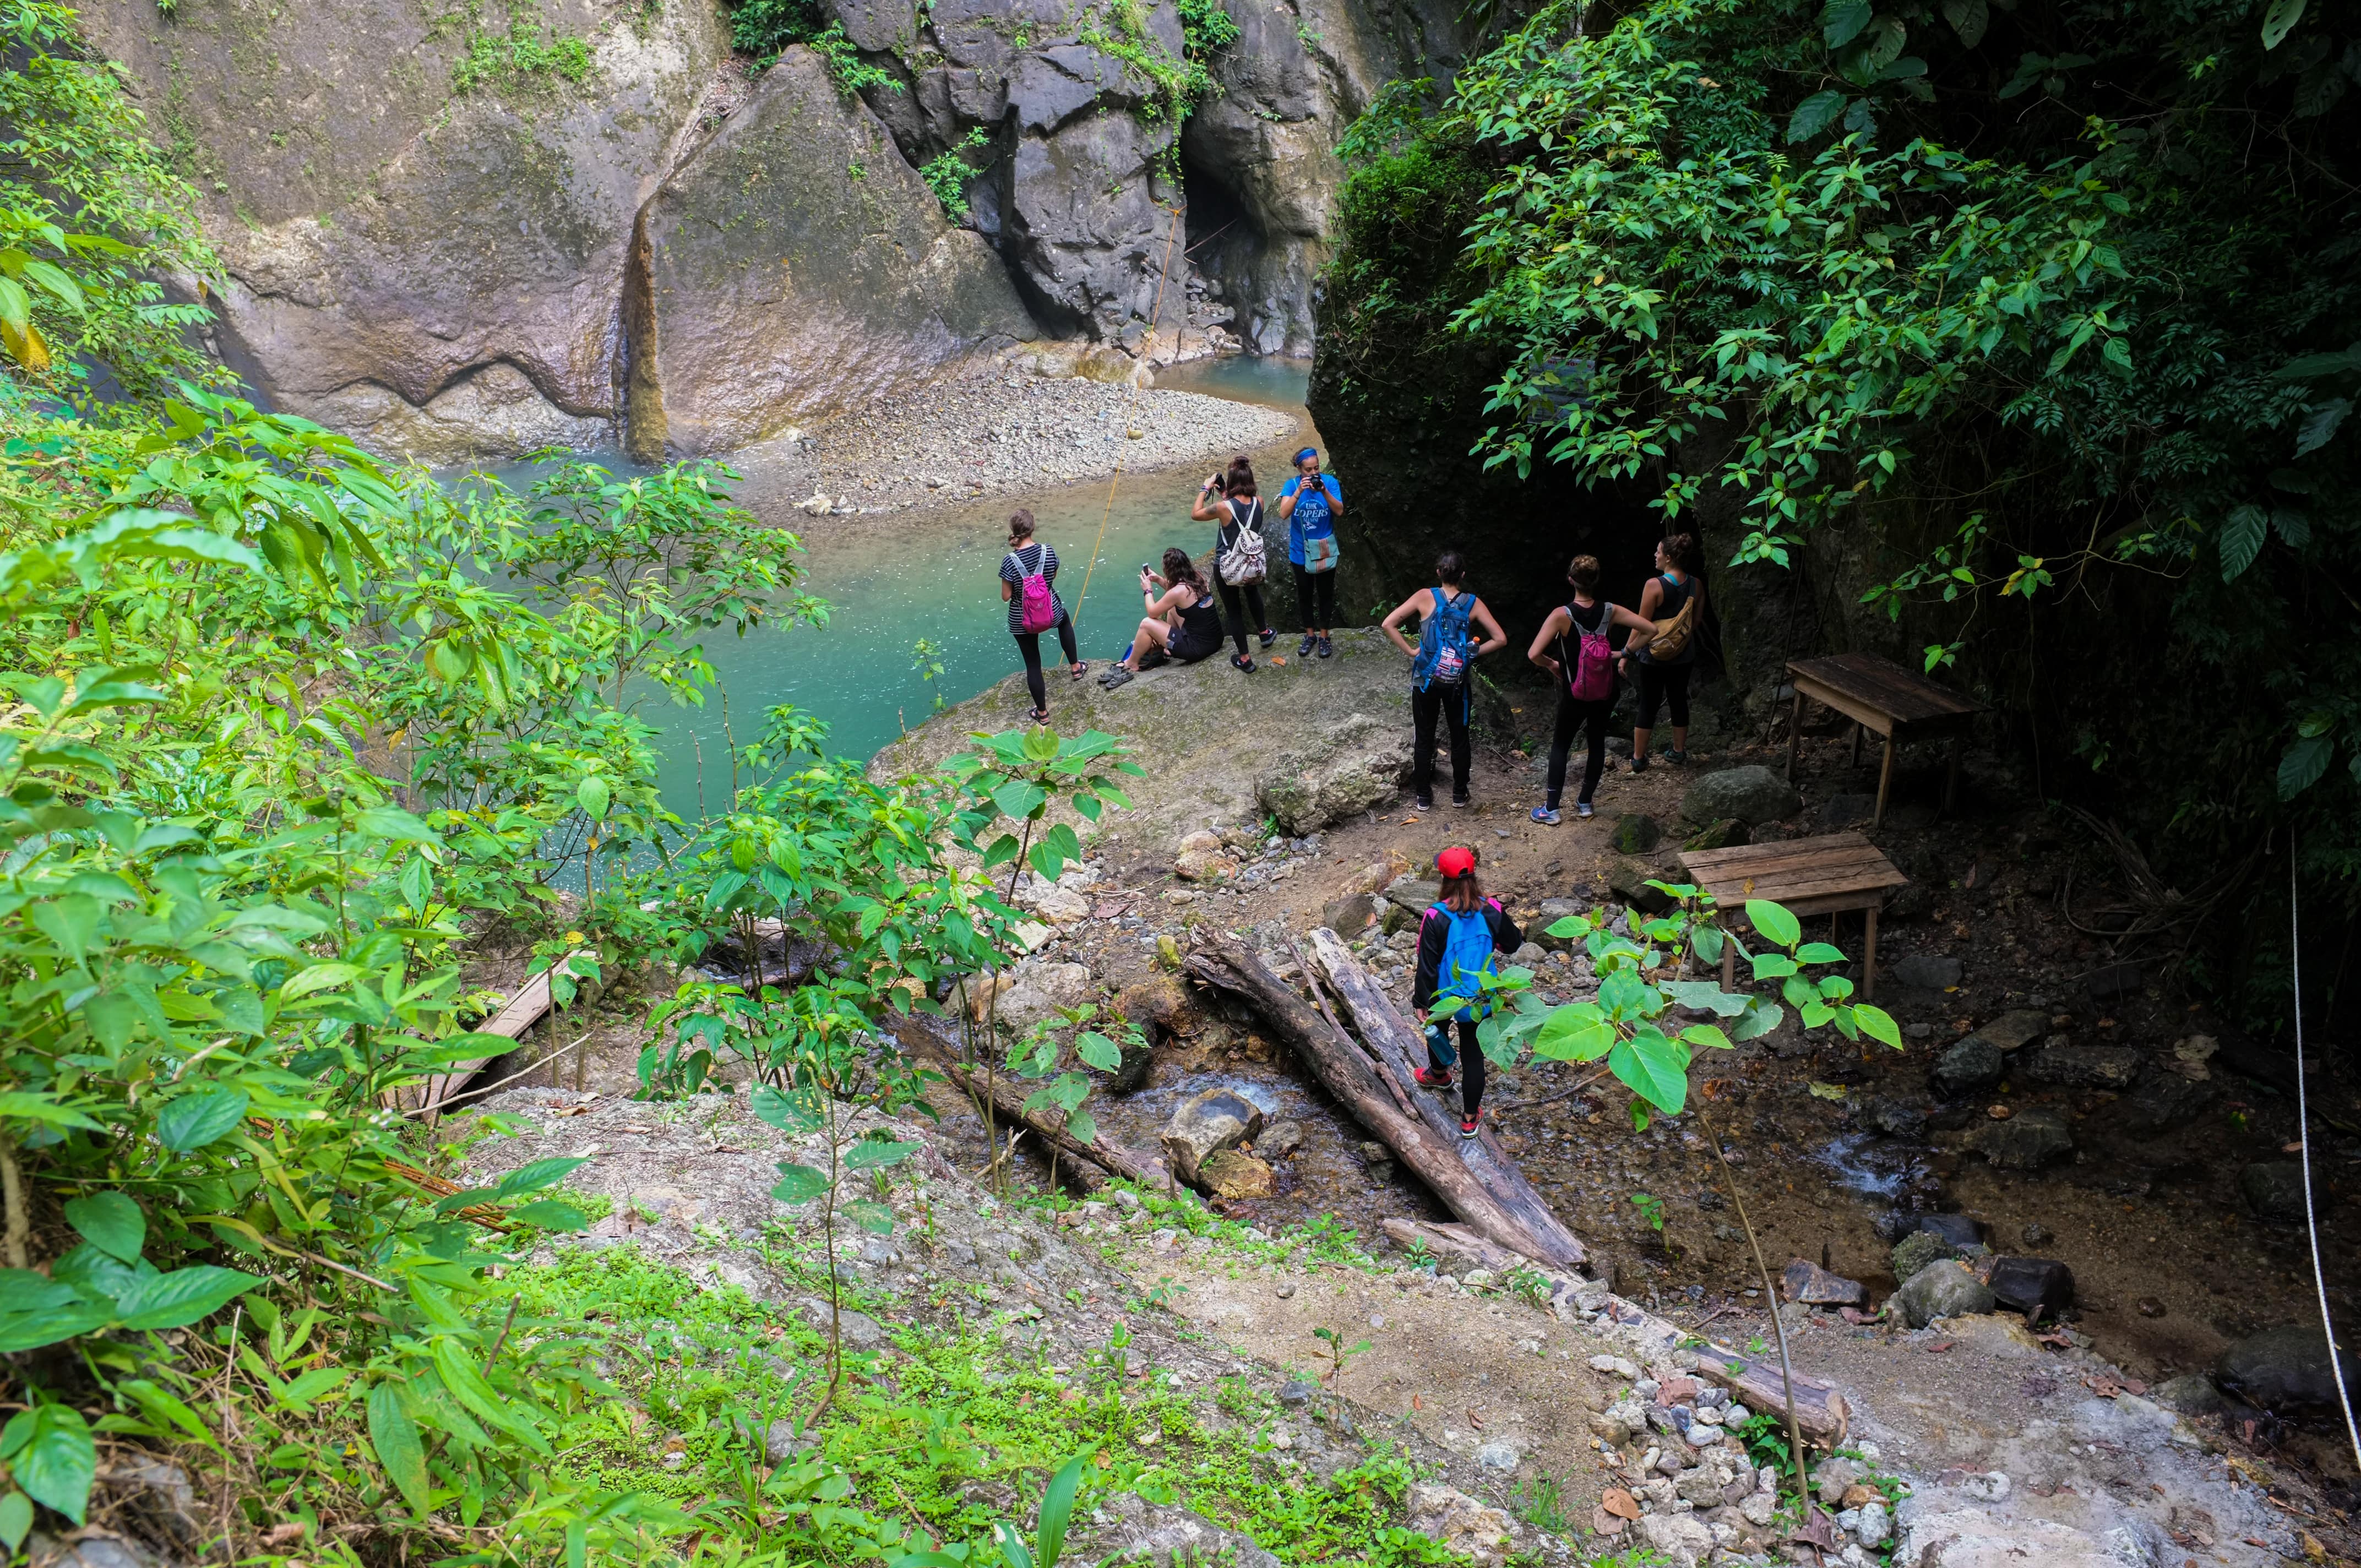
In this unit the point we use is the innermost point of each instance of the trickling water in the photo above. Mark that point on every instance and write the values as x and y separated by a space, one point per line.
1874 1166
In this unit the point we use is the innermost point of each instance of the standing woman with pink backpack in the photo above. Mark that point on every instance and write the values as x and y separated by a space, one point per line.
1584 668
1028 576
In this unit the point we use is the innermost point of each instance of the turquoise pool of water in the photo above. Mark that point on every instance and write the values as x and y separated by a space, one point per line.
891 581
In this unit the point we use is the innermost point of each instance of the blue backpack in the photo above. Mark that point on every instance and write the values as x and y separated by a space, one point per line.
1466 953
1445 645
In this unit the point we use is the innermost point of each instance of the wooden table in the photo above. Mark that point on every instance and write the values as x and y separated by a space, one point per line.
1878 694
1827 875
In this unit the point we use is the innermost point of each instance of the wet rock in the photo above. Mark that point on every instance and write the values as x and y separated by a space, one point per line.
1957 1229
2024 1284
2083 1067
1460 1524
1973 1064
2287 1371
1280 1139
1678 1539
1971 1538
2112 982
1039 991
2274 1190
1928 971
1727 834
2017 1028
1753 795
1628 880
1350 915
1235 1174
1205 1124
1635 833
1943 1289
1806 1281
2036 1234
2030 1139
2163 1102
1895 1118
1360 762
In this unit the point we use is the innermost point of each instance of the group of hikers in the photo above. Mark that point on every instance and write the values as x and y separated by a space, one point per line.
1587 644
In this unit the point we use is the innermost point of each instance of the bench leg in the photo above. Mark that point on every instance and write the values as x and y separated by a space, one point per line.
1951 779
1794 733
1729 961
1857 728
1885 783
1869 959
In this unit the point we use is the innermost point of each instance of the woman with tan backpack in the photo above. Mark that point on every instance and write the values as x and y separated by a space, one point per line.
1660 662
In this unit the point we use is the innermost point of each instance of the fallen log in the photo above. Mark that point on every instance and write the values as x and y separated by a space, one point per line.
1352 1077
519 1013
1398 1046
1093 1162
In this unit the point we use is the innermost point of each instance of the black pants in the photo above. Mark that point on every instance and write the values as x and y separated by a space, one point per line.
1246 619
1471 1086
1451 704
1030 644
1315 595
1572 717
1663 684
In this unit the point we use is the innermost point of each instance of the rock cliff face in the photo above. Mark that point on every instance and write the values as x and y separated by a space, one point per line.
458 236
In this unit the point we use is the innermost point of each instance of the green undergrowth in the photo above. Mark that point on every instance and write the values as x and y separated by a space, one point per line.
937 1431
1324 1238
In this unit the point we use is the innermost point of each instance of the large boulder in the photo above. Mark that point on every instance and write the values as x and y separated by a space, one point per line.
1205 1124
2287 1371
2029 1140
424 258
792 269
1754 795
1973 1538
1362 764
1039 991
2083 1067
2030 1284
1971 1065
1945 1289
2274 1190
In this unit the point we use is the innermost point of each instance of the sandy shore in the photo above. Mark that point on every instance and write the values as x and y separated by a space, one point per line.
985 435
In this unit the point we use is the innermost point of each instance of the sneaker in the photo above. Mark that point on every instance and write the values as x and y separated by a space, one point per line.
1421 804
1268 635
1238 662
1639 765
1459 798
1676 758
1327 649
1468 1126
1583 808
1303 649
1432 1078
1547 815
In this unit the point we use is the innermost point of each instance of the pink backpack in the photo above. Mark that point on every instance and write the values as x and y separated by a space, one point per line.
1590 669
1037 606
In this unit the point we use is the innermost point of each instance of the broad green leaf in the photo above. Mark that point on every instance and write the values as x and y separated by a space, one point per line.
1019 798
872 1217
15 1519
1096 1050
789 1112
1841 21
110 1221
192 1121
1778 927
1772 966
318 976
175 1300
1877 1023
1707 993
1566 928
30 1107
1705 1034
1057 1507
54 1459
550 1214
455 1364
1819 953
799 1184
1815 113
2279 20
592 795
2302 767
876 1154
395 1437
2242 540
1758 1021
540 1173
1969 18
1576 1033
1648 1066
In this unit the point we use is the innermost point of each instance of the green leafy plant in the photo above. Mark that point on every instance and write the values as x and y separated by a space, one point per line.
1651 1208
1037 1056
947 175
927 659
1338 1352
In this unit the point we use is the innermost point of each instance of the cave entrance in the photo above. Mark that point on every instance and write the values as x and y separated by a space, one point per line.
1225 246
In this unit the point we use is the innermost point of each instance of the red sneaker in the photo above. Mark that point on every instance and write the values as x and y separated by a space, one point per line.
1431 1078
1468 1123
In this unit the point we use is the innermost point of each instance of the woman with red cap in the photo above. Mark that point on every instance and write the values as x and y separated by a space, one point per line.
1457 938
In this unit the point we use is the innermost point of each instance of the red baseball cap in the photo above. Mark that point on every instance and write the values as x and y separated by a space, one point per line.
1456 862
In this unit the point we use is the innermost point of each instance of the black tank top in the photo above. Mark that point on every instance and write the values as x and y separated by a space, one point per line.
1201 622
1676 595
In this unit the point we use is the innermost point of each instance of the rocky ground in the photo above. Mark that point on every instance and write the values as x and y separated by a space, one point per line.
1013 426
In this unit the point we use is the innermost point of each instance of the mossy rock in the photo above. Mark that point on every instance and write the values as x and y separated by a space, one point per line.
1727 834
1916 1250
1635 833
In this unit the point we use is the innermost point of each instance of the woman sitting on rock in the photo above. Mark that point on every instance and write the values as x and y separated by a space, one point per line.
1028 578
1181 621
1457 938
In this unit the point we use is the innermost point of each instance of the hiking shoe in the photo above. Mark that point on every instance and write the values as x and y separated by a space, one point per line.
1585 810
1674 757
1639 765
1115 677
1547 815
1327 649
1459 798
1421 804
1303 649
1268 635
1432 1077
1240 662
1469 1124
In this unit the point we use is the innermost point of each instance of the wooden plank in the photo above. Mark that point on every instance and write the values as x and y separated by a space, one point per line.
518 1013
1880 693
1772 868
1823 847
1806 885
1397 1044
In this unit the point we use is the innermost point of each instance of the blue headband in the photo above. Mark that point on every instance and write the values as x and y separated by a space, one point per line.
1307 452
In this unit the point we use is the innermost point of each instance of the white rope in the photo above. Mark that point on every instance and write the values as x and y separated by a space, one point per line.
2303 1133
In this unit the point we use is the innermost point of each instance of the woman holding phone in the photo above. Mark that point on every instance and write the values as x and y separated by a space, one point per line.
1181 623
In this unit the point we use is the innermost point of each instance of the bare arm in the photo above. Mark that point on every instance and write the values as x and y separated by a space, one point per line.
1287 502
1640 624
1005 589
1207 509
1335 500
1649 598
1494 638
1403 612
1552 629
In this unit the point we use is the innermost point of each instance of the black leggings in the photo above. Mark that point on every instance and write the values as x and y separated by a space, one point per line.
1315 593
1450 702
1667 684
1245 620
1471 1086
1572 716
1030 644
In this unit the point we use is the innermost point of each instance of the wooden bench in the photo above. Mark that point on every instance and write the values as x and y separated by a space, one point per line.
1879 694
1827 875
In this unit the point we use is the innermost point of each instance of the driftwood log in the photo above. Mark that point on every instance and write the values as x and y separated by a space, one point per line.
1431 1149
1399 1048
1092 1162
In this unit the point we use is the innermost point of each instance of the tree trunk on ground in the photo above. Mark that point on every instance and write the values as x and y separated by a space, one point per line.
1350 1075
1092 1162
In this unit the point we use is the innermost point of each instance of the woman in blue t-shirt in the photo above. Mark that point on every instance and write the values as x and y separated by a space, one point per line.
1312 503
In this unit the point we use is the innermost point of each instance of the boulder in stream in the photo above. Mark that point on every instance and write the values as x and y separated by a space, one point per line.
1974 1063
1206 1123
2287 1371
1236 1174
2029 1140
2030 1284
1944 1290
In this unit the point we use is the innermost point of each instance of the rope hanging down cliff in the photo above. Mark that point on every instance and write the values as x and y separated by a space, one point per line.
1155 314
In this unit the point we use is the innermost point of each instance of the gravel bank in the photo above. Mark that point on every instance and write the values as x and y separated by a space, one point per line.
960 440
